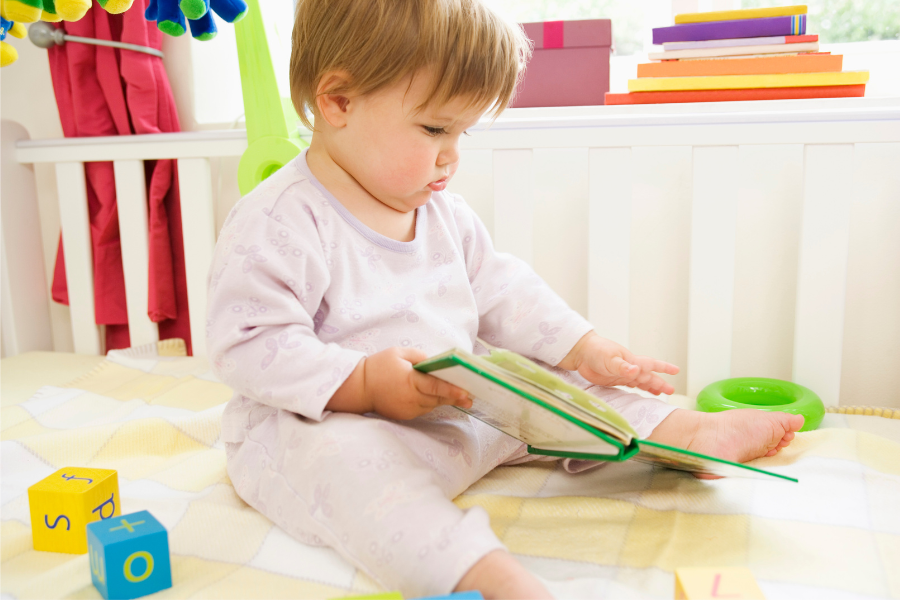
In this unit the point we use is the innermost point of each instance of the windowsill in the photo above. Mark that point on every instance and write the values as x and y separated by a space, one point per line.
699 113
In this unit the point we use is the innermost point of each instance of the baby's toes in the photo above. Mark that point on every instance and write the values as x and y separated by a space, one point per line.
795 422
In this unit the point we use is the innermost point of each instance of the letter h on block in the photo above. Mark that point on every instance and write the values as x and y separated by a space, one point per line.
64 503
129 556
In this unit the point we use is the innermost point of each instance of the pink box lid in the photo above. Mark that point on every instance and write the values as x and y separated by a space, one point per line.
569 34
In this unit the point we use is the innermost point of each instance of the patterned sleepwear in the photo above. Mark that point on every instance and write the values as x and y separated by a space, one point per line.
300 291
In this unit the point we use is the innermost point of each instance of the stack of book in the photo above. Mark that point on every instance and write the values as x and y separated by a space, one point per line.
751 54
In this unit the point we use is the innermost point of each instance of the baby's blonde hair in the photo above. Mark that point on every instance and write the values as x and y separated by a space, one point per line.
471 52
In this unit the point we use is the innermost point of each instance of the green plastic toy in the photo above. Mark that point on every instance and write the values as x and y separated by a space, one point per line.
272 137
763 394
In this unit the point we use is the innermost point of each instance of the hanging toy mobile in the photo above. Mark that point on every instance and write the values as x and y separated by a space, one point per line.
170 15
16 12
8 54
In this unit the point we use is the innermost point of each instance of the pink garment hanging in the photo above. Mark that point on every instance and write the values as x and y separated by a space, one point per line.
105 91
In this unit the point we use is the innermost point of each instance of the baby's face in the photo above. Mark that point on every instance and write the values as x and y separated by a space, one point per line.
400 155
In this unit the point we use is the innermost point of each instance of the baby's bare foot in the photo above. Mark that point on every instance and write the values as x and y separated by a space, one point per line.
735 435
743 435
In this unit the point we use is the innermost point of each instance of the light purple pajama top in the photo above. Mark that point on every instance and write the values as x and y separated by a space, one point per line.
300 291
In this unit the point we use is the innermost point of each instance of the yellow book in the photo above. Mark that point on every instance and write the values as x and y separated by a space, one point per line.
746 13
741 82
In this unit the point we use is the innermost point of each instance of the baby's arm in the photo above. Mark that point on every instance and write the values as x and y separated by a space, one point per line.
268 279
519 311
387 384
263 297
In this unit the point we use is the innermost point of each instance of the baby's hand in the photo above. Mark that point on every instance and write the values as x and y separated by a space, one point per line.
395 390
387 384
604 362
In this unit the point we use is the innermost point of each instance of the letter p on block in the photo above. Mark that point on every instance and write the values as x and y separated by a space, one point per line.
62 504
129 556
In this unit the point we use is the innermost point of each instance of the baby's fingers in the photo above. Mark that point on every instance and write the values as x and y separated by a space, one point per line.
656 385
446 393
663 367
621 367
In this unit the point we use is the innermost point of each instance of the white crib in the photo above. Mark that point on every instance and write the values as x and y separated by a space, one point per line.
731 239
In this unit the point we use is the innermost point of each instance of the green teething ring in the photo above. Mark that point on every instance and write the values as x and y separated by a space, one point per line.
763 394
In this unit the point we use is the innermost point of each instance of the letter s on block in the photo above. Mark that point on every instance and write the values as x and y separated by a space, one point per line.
97 564
56 522
129 575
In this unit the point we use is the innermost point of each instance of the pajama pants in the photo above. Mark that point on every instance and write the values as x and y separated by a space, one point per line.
379 491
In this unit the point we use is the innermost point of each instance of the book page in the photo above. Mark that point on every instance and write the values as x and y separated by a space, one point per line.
524 369
521 418
685 460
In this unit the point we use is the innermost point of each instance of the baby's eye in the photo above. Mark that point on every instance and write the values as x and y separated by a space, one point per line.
433 131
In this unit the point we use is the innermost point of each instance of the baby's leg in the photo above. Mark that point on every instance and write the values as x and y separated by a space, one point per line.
735 435
377 491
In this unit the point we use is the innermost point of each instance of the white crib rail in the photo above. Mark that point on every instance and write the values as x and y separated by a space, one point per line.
715 237
193 151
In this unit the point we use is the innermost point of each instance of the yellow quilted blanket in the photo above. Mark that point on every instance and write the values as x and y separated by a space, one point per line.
614 532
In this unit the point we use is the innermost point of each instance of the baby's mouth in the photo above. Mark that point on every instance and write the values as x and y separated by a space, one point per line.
439 185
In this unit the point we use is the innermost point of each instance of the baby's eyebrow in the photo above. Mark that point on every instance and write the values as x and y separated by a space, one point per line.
440 120
445 121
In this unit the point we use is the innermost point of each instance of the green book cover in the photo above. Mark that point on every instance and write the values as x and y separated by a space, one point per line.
555 418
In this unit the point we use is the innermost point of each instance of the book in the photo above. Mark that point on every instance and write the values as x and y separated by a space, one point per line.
754 41
737 82
733 15
554 418
802 63
775 54
791 93
734 51
723 30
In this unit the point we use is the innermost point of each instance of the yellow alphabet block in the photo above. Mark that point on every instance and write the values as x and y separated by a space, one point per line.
64 503
736 583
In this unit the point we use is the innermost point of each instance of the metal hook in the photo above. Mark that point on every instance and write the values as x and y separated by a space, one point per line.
45 35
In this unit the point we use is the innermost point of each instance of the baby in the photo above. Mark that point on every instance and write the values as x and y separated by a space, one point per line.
352 263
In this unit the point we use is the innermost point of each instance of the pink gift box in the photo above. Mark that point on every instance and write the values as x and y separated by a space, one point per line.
570 64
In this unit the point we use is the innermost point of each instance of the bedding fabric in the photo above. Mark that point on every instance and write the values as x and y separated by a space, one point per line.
615 532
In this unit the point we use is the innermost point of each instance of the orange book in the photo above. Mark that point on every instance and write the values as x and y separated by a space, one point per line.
802 63
825 91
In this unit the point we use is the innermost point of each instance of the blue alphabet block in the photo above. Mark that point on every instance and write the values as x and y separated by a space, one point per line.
129 556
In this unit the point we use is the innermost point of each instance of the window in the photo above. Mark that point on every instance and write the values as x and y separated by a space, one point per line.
865 32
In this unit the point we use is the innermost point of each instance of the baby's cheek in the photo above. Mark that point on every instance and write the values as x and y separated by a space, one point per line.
406 173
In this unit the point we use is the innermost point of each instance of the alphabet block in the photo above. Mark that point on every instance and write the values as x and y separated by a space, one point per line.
129 556
726 582
62 504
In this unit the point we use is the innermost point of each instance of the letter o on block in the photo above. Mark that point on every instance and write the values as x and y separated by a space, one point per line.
129 556
148 566
62 504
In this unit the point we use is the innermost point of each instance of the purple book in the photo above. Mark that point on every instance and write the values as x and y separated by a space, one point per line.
724 30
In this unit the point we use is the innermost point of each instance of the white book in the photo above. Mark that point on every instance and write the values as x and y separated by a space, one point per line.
734 51
754 41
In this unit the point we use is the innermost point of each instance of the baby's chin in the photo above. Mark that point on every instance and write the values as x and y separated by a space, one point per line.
407 203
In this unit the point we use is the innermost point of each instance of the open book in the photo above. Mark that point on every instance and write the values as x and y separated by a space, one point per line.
555 418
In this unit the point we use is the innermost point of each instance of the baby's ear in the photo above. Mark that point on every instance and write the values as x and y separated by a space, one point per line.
332 99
